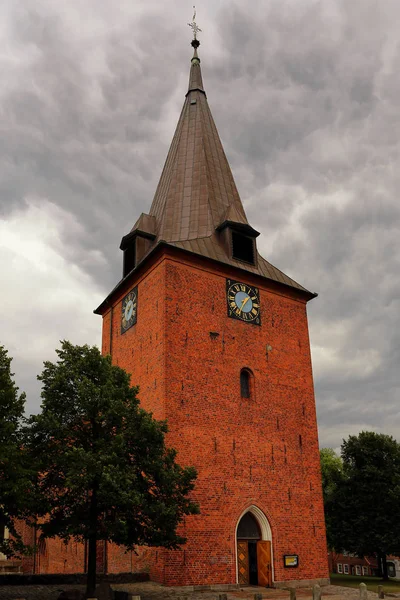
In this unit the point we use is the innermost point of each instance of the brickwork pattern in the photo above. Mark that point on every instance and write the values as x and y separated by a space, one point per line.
62 558
186 355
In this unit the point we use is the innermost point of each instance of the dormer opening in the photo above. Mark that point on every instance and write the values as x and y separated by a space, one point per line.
243 247
138 242
129 258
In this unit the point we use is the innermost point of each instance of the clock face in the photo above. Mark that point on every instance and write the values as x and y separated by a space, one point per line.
129 310
243 302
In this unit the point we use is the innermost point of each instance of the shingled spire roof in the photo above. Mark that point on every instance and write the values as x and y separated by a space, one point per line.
197 198
197 193
196 188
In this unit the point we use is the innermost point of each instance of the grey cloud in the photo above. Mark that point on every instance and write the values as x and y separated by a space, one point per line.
89 144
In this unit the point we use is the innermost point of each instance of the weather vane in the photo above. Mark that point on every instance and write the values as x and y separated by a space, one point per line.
194 25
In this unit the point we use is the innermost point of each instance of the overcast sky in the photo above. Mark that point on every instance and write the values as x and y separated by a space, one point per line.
305 95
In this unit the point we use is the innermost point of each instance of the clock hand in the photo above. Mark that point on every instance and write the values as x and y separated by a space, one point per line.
243 303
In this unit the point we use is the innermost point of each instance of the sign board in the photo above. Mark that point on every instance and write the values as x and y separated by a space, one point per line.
291 560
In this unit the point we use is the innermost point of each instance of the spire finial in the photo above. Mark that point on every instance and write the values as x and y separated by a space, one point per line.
195 29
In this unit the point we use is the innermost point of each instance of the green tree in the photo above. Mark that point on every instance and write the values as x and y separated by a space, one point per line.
332 475
366 500
106 471
331 470
14 476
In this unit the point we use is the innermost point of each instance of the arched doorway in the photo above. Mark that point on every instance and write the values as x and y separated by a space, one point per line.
253 538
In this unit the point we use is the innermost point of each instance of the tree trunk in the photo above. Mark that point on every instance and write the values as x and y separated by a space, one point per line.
91 572
383 566
2 527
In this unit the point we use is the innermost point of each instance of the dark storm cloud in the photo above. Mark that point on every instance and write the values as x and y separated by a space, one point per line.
319 140
305 96
88 141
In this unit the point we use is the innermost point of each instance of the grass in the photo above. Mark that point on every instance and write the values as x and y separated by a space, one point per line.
372 583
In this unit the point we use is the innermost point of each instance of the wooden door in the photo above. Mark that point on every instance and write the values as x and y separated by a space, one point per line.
264 564
243 563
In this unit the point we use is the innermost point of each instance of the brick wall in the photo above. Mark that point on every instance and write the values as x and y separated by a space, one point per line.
186 355
51 555
62 558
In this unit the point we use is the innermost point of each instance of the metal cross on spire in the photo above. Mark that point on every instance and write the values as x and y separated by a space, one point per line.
194 25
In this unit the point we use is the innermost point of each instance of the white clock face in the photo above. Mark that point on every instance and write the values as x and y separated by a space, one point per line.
129 310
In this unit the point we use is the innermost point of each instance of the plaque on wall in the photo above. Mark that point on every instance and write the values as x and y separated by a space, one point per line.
291 560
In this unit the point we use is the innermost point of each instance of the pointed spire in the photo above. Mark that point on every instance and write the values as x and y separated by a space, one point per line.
195 78
197 202
197 207
196 186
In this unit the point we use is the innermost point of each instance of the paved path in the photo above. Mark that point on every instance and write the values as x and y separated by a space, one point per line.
154 591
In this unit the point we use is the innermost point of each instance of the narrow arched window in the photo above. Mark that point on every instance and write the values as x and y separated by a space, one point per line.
245 383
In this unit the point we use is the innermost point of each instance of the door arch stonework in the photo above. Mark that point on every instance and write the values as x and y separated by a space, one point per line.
265 536
265 527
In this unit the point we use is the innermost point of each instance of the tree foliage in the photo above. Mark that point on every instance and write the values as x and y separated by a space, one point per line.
332 475
331 471
362 505
106 471
14 473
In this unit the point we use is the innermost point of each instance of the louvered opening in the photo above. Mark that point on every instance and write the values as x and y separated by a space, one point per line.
242 247
129 258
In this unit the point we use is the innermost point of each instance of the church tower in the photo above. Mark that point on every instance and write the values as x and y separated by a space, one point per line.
217 339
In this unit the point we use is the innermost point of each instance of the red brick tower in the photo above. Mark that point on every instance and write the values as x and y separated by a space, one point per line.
217 339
